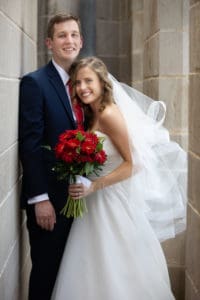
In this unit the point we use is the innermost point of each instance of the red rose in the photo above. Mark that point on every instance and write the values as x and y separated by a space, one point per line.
100 157
88 146
72 143
85 158
58 150
69 156
66 135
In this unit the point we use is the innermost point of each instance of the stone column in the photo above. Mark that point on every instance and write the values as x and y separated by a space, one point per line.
125 27
193 227
166 60
18 34
42 53
166 78
113 36
137 43
107 34
87 12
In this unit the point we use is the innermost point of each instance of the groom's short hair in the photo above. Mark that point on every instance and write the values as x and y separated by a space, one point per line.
60 18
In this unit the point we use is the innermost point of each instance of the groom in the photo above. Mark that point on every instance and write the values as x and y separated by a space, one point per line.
45 112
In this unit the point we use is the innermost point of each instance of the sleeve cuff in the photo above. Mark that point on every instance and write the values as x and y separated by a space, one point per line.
38 198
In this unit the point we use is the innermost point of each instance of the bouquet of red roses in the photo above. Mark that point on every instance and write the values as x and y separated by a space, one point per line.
78 153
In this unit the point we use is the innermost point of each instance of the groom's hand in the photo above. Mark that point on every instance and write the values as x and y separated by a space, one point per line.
45 215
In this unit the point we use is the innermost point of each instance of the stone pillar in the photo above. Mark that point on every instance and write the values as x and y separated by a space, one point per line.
125 27
137 44
18 34
107 34
87 12
42 27
113 36
193 227
166 60
165 73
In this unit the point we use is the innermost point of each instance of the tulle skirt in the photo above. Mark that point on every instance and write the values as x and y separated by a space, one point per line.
112 253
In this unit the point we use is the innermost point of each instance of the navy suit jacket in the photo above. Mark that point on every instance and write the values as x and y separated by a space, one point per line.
44 113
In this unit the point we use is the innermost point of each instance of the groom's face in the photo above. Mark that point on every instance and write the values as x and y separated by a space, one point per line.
66 42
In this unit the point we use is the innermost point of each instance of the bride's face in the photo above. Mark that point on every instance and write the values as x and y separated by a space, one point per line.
89 87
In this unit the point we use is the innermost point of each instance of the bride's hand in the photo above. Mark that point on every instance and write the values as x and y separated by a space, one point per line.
79 190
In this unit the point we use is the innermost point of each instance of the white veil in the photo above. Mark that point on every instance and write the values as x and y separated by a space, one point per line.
161 163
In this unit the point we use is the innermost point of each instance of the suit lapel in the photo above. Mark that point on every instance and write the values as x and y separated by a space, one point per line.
57 83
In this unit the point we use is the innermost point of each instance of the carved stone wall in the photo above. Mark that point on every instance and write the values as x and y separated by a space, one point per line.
160 56
18 55
193 228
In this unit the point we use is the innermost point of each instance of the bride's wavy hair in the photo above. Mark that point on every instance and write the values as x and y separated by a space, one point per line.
97 66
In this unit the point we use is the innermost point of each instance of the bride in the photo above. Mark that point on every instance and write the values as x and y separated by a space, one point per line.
113 251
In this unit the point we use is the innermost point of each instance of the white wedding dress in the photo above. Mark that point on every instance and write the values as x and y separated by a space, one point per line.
113 252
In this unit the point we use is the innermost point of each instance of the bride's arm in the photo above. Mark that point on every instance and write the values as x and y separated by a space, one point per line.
112 123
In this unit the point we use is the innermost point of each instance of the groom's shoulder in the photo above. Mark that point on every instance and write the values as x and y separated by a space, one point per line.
38 73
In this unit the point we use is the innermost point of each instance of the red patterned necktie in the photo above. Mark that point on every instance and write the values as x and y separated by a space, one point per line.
77 109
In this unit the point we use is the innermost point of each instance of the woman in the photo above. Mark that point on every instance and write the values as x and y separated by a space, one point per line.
113 252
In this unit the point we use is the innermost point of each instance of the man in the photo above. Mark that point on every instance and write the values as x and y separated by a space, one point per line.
45 112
